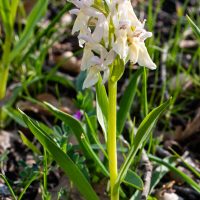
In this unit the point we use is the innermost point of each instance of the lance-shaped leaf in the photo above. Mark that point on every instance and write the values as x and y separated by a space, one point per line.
142 133
62 159
73 124
127 99
194 26
102 106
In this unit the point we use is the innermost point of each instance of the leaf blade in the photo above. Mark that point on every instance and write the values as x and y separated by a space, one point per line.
142 133
62 159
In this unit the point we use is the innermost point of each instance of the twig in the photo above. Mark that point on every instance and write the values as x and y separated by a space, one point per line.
146 164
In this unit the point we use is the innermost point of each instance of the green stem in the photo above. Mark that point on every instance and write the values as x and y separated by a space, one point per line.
45 173
112 152
3 81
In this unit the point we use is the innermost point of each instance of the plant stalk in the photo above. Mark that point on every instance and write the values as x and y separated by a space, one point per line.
112 150
3 81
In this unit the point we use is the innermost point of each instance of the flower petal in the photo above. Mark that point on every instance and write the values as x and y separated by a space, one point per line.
74 11
120 46
144 36
134 52
96 60
87 55
92 77
133 18
144 58
78 24
105 75
110 57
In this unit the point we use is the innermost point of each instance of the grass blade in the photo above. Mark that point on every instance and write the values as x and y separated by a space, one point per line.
193 170
24 190
178 172
35 15
29 144
13 194
194 27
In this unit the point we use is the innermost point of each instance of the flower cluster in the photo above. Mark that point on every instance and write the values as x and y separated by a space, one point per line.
127 39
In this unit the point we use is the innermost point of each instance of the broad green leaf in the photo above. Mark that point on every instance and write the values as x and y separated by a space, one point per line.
102 106
194 26
35 15
176 171
62 159
118 69
29 144
127 99
142 133
73 124
133 180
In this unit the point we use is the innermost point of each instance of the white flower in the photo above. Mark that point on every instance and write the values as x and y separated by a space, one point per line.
99 65
138 51
120 46
90 45
84 14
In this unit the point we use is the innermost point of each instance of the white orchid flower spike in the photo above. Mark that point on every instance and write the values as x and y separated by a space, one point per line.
99 65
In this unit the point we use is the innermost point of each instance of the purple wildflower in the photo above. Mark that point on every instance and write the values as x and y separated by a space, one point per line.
77 115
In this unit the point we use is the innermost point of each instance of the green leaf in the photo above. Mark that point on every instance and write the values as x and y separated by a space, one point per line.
73 124
6 16
160 171
62 159
10 188
102 106
194 27
176 171
133 180
127 99
193 170
118 69
95 136
35 15
11 112
29 144
142 133
62 80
